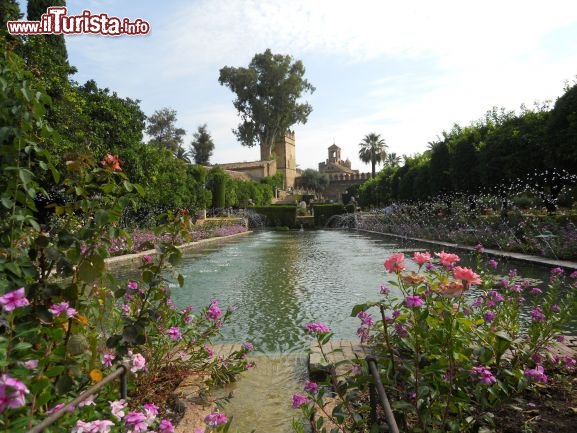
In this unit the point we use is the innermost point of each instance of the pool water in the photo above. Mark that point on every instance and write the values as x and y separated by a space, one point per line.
277 282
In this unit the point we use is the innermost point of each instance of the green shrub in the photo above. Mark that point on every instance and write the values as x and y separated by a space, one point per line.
276 216
324 212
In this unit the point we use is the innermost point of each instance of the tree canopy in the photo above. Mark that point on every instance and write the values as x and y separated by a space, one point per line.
266 98
202 146
373 150
163 131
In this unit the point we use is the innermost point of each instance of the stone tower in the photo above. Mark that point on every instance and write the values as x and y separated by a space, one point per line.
284 150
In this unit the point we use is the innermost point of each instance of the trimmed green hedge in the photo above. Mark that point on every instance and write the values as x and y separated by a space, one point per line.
324 212
278 216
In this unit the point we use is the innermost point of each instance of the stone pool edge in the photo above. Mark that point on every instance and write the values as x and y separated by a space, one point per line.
113 263
526 258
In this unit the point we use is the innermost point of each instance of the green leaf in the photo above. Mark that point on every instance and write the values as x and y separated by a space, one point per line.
55 370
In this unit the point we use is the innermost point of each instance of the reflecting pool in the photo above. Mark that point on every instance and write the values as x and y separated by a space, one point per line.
277 282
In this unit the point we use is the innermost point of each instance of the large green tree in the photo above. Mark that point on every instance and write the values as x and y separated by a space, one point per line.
202 146
373 150
266 98
163 131
313 180
56 42
9 11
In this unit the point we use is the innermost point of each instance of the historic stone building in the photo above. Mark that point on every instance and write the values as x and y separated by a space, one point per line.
334 164
284 162
341 175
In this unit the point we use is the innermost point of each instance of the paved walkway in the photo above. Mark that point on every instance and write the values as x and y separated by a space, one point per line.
339 353
527 258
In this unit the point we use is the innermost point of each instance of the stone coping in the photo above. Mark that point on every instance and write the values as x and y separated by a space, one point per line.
136 258
527 258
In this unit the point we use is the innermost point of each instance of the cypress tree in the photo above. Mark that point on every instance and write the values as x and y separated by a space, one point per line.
56 42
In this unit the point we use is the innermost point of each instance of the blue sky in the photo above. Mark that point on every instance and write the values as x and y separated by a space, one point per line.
406 70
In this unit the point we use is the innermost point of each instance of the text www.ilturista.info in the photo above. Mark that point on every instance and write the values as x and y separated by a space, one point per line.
56 22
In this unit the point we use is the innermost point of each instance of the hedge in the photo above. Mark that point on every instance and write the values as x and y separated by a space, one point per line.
278 216
324 212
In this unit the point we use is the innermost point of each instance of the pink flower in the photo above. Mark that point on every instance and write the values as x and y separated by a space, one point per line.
146 259
15 299
249 347
12 393
132 285
317 328
107 359
414 301
61 406
138 362
63 307
299 400
447 259
111 162
556 308
493 263
421 258
136 421
536 374
311 387
479 247
395 263
98 426
88 401
489 316
117 408
30 365
166 426
209 351
385 290
215 419
536 291
466 275
174 333
366 318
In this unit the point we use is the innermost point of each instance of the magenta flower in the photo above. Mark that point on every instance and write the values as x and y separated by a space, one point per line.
249 347
299 400
366 318
492 263
61 406
165 426
215 419
146 259
311 387
489 316
12 393
556 308
536 374
401 330
132 285
363 334
479 247
395 263
209 351
107 359
536 291
484 374
414 301
63 308
213 311
556 271
317 328
574 275
15 299
385 290
136 421
537 314
174 333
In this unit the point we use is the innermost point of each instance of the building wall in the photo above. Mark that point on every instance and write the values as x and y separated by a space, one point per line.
285 151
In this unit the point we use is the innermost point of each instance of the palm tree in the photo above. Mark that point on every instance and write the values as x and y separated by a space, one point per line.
372 150
392 160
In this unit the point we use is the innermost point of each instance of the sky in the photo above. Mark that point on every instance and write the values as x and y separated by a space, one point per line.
406 70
